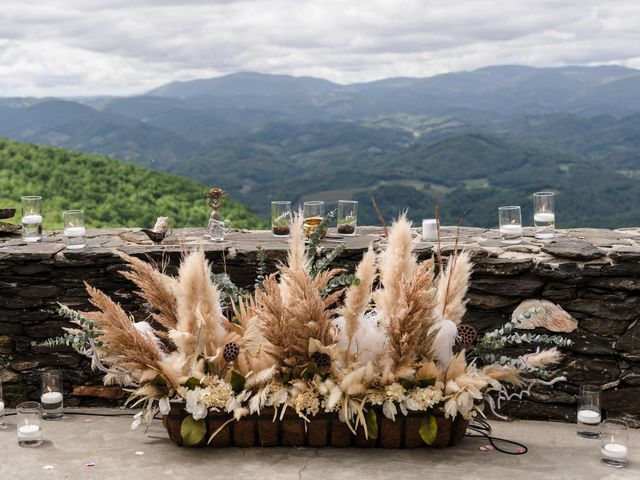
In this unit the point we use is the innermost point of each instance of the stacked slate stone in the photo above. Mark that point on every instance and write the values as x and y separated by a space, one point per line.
593 274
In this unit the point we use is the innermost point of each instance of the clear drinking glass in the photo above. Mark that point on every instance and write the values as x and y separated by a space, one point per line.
544 218
3 425
510 224
589 411
28 424
347 217
615 443
313 214
281 218
32 219
74 231
51 397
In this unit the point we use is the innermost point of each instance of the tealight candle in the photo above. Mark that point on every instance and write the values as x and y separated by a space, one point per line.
589 417
51 397
544 217
28 424
51 400
75 231
615 441
32 219
29 432
429 230
614 451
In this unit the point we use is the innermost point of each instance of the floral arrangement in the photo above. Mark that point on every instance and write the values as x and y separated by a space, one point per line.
387 344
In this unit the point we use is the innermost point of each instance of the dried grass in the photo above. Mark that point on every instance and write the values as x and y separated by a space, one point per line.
129 348
156 288
453 283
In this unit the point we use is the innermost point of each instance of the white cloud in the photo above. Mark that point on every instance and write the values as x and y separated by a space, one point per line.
79 47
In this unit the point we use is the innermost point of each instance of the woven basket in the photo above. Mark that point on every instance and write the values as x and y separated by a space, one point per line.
324 430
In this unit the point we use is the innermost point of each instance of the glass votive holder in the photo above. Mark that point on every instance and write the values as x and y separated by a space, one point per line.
347 217
28 424
510 218
544 218
313 213
589 411
51 397
615 443
3 424
74 231
430 230
281 218
32 219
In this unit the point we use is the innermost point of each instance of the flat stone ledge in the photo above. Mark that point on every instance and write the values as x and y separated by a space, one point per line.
555 451
576 245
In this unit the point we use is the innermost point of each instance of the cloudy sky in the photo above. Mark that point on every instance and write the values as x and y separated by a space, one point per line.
89 47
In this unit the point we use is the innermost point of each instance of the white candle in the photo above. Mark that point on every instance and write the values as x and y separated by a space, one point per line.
429 230
75 231
614 451
1 408
51 398
590 417
544 217
32 219
29 432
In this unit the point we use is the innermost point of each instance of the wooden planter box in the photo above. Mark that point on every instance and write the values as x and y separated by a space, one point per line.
324 430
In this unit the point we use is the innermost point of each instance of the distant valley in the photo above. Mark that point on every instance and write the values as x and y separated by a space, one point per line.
470 139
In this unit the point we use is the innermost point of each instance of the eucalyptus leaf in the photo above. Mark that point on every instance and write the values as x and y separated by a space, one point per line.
428 429
192 431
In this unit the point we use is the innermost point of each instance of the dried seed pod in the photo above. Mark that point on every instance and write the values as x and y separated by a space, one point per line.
467 334
230 352
322 360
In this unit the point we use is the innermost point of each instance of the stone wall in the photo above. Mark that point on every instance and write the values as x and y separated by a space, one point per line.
593 274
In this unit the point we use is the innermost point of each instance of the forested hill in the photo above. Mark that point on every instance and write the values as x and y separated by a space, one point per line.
111 193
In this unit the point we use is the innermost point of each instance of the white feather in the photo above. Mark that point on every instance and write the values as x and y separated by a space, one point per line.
443 344
369 339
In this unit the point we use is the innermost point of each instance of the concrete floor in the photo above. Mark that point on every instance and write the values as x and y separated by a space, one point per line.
555 452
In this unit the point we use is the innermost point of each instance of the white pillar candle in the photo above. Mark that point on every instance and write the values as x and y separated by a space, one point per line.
544 217
590 417
75 231
29 432
50 398
614 451
429 230
32 219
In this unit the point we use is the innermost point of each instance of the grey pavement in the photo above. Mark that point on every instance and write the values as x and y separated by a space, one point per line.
117 452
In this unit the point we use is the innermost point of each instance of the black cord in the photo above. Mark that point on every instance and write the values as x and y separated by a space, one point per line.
483 430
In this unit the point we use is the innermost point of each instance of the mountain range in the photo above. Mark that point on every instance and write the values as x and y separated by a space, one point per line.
475 139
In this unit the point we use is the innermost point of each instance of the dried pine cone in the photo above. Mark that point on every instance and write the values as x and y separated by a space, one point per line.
230 352
322 360
467 334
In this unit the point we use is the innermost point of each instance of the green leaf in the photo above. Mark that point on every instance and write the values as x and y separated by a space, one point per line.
192 383
192 431
428 429
236 381
407 384
372 424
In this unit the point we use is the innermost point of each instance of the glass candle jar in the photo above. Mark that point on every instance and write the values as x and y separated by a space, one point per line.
51 397
28 424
